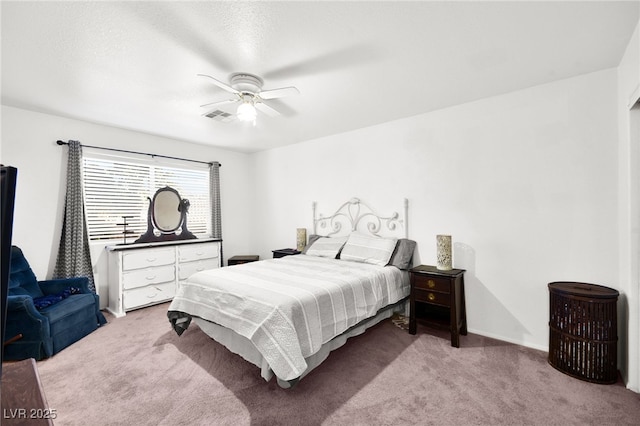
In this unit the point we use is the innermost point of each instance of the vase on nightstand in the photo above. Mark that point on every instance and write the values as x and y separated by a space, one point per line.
444 252
301 238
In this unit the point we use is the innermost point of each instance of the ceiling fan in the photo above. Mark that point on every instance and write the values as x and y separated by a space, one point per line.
247 90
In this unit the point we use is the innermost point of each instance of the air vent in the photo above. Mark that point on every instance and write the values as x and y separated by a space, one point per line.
222 116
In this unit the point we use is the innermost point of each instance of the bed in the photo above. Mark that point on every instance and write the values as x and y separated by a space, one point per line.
286 315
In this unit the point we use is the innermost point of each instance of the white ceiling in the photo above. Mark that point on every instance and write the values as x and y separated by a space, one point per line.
356 64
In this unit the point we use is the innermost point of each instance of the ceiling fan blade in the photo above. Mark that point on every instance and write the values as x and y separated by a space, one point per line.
350 56
279 93
220 84
262 107
226 101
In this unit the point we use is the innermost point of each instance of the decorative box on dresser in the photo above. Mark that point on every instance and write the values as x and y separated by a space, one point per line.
149 273
437 298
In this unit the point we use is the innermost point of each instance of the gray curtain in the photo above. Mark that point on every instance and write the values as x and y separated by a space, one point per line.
216 215
74 257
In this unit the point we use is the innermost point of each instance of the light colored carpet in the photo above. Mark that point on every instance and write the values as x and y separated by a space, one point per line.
136 370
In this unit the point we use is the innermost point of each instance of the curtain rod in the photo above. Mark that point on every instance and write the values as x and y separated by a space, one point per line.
59 142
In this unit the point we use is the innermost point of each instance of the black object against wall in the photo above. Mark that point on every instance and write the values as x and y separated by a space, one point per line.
8 192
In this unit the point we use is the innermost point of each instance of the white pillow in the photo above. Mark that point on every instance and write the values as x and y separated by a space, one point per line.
326 247
368 249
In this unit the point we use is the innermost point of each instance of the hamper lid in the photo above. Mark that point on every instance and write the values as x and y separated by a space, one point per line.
583 289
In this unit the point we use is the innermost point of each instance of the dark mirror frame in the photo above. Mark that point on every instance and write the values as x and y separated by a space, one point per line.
154 233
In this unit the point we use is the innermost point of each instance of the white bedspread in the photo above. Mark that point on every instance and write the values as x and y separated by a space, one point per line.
289 307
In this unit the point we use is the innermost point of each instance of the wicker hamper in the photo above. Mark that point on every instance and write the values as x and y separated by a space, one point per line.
583 335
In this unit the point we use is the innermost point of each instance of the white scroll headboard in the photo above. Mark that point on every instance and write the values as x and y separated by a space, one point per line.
355 215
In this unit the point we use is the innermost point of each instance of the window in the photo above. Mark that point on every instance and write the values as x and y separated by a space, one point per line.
115 187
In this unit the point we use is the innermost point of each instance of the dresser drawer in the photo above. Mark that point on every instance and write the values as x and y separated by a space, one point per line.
143 277
198 251
147 295
432 283
185 270
139 259
437 298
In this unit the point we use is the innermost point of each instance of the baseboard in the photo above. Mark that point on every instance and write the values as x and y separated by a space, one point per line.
505 339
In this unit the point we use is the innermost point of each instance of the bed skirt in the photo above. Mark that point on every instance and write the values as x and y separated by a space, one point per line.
242 346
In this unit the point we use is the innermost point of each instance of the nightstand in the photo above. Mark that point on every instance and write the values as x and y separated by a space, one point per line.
437 299
238 260
284 252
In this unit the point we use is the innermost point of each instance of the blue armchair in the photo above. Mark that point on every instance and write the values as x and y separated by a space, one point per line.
66 312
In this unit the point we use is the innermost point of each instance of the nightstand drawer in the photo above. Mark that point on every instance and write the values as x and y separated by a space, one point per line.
432 283
434 297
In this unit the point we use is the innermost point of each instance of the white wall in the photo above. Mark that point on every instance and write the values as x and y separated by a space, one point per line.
525 183
629 210
29 143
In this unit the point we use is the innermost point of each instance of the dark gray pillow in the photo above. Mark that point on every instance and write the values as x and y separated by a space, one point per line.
312 239
403 253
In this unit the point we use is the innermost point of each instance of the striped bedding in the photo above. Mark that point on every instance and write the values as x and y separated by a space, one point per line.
289 307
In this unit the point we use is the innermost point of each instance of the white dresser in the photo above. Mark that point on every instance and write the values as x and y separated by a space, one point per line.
146 274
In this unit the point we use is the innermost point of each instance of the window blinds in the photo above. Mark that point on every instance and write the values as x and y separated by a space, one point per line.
116 187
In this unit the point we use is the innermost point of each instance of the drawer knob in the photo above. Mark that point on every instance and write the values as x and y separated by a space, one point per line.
431 297
431 284
150 277
151 296
151 259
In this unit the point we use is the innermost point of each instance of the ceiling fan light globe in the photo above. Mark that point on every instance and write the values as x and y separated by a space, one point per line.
246 112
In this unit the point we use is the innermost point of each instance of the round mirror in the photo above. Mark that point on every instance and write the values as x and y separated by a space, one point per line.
167 216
